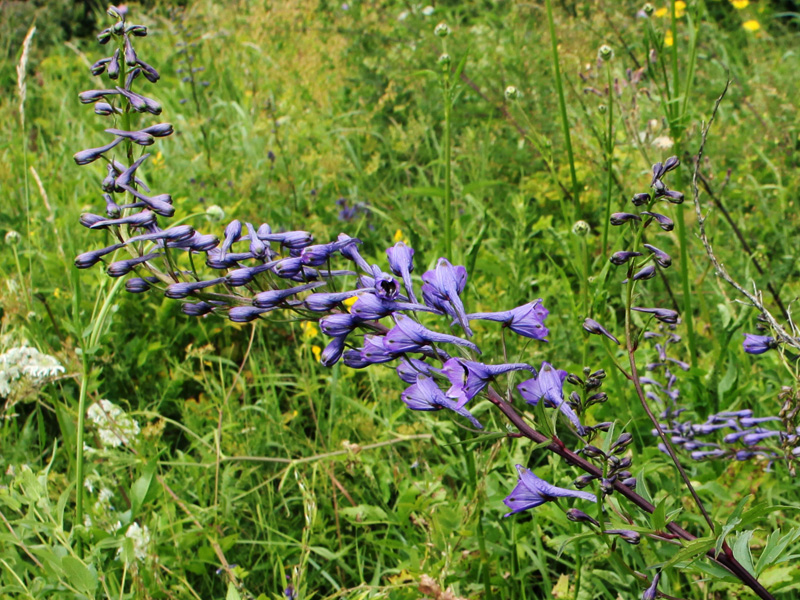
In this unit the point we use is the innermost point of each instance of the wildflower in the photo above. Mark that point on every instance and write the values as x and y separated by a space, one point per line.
409 368
333 351
310 330
573 514
595 328
273 298
446 283
647 272
751 25
25 364
245 314
531 491
663 142
758 344
526 320
426 395
123 267
621 257
740 4
441 30
323 301
668 39
662 258
409 336
468 378
663 221
621 218
401 262
370 307
626 534
338 324
184 289
640 199
549 384
114 426
605 52
139 539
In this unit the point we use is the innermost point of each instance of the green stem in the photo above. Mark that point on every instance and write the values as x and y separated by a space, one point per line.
448 217
562 107
688 314
609 158
487 585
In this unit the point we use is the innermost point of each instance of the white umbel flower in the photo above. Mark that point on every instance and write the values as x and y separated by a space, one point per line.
25 365
114 426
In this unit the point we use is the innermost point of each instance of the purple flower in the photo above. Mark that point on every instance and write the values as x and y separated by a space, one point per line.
294 240
663 221
749 421
526 320
662 258
375 352
531 491
664 315
640 199
447 282
91 258
245 314
371 307
350 252
272 298
595 328
123 267
257 247
409 368
401 262
468 378
325 301
140 103
700 455
386 286
621 257
629 536
333 351
184 289
646 273
621 218
319 254
243 276
138 285
233 231
409 336
84 157
549 385
197 310
338 324
573 514
651 593
758 344
426 395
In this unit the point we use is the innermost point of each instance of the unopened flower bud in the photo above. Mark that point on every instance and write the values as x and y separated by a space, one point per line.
640 199
574 379
444 60
215 214
573 514
583 481
593 452
512 93
605 52
441 30
581 228
602 109
648 9
13 238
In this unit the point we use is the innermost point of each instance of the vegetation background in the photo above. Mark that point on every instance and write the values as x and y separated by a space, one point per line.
329 117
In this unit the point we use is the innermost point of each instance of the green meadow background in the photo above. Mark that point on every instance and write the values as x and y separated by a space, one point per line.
253 455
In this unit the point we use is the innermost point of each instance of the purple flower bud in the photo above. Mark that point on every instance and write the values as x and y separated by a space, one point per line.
137 137
531 491
354 360
233 231
245 314
140 219
732 413
123 267
184 289
449 282
671 196
126 176
671 163
758 344
333 351
664 315
595 328
324 301
273 298
84 157
386 286
196 310
149 72
623 441
161 204
409 368
138 285
338 324
662 258
130 53
319 254
640 199
136 30
100 66
526 320
203 243
583 481
105 109
651 593
620 218
104 36
159 130
749 421
573 514
94 95
700 455
468 378
647 272
289 239
621 257
375 351
663 221
140 103
88 259
629 482
627 535
751 439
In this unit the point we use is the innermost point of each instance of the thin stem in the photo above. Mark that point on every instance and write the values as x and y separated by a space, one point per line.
562 107
609 158
448 191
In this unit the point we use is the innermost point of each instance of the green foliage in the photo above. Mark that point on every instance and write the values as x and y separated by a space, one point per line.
254 463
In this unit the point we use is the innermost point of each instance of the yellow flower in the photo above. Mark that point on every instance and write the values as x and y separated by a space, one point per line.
316 351
398 235
158 160
751 25
349 302
668 39
680 8
310 330
740 4
661 12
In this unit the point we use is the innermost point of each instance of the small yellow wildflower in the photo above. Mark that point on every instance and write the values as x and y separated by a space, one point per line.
751 25
310 330
668 39
349 302
661 12
740 4
680 8
317 352
158 160
398 235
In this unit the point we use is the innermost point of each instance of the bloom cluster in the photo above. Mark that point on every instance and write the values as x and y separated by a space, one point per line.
23 366
114 426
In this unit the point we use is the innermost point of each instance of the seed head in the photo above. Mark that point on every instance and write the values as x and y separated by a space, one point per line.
441 30
512 93
605 52
581 228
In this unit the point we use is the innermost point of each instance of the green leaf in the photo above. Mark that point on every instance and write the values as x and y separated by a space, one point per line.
141 487
775 547
733 520
79 575
658 520
233 593
692 550
741 550
728 381
433 192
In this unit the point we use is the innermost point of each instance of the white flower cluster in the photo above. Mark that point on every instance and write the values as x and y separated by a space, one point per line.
140 536
113 426
25 365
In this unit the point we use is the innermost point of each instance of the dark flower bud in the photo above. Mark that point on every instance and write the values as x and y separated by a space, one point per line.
104 109
575 397
139 285
758 344
651 593
84 157
149 72
640 199
196 310
623 441
159 130
670 164
593 452
203 242
614 462
626 462
113 65
646 273
607 486
664 315
245 314
595 328
662 258
100 66
104 36
257 247
672 196
604 426
118 28
288 267
137 137
184 289
136 30
339 324
123 267
597 398
658 172
112 208
621 257
354 360
89 219
574 379
663 221
91 258
573 514
599 374
629 536
130 53
592 383
139 103
621 218
583 481
333 351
